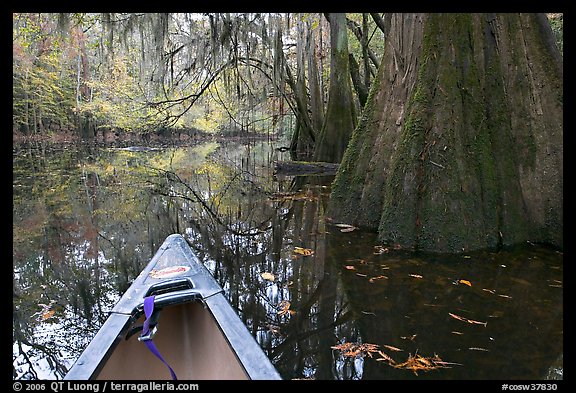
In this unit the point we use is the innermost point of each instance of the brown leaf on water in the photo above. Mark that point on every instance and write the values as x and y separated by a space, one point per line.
417 363
303 251
284 307
390 347
373 279
467 320
385 358
353 350
48 314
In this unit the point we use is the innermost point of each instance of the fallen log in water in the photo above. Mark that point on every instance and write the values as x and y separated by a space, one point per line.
300 168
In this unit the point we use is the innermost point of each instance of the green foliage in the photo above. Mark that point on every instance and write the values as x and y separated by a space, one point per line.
142 72
43 91
557 25
116 100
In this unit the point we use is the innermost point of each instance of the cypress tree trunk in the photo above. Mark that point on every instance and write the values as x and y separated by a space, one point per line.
302 142
460 146
340 118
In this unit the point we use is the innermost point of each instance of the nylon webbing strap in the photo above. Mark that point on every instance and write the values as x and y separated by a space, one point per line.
146 334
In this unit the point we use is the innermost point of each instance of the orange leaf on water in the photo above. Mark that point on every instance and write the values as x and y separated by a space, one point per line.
48 314
303 251
465 282
284 307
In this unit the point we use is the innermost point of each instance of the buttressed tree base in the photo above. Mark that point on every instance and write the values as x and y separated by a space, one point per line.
460 145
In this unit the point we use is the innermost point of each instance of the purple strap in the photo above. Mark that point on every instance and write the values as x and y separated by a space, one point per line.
148 310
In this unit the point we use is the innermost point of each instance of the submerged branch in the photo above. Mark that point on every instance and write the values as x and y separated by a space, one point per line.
171 176
291 168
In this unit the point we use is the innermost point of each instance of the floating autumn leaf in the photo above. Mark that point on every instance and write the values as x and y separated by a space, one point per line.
268 276
284 307
385 358
380 250
373 279
48 314
346 227
353 350
303 251
467 320
465 282
555 283
390 347
420 363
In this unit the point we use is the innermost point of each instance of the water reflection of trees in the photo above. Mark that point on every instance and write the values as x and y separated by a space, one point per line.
87 222
331 305
72 258
244 227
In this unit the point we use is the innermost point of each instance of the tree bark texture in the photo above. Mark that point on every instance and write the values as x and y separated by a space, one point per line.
460 146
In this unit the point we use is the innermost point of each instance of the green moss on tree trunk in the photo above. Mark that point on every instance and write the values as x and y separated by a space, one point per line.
475 158
340 118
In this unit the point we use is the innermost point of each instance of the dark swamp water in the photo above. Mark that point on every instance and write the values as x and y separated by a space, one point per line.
87 219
